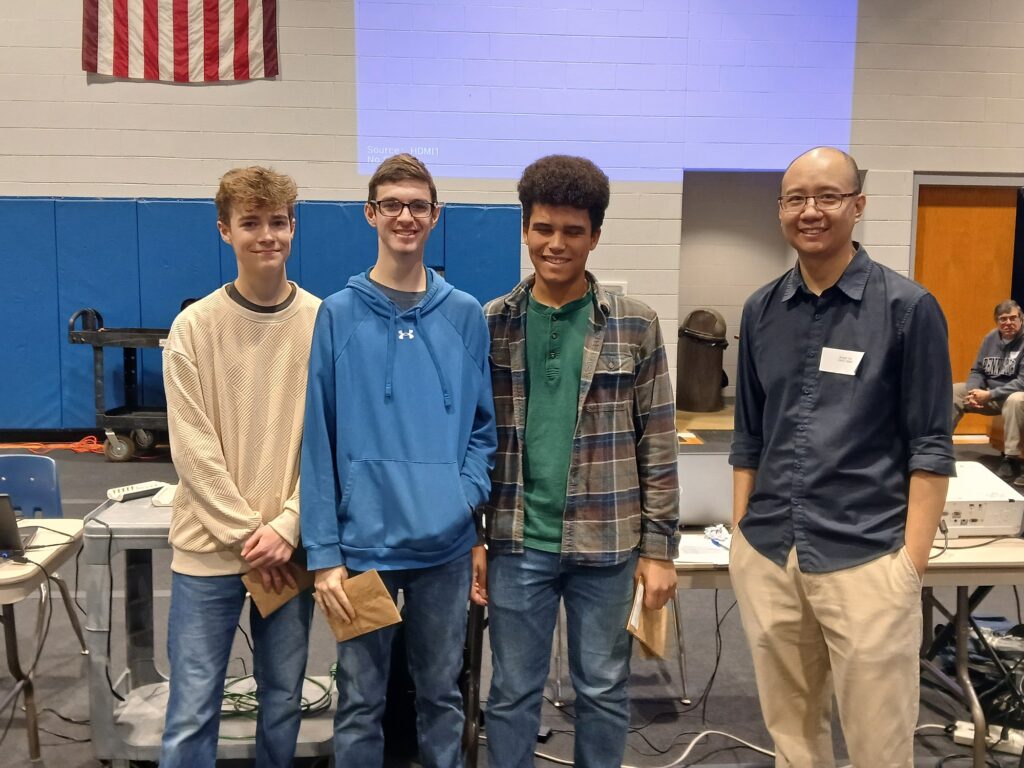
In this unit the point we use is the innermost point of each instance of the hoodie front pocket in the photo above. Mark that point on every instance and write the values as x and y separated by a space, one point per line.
404 505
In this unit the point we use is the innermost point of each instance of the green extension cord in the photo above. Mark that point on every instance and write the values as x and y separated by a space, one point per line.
243 703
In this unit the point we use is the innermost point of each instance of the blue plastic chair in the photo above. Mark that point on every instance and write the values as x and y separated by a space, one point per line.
31 482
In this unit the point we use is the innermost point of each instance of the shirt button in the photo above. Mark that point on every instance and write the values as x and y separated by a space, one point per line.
552 355
807 390
811 353
817 316
801 427
554 335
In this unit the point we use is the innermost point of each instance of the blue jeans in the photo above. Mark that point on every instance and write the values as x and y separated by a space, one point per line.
523 595
434 618
201 627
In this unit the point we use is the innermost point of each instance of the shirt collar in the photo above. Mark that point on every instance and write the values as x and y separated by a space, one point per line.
518 297
851 282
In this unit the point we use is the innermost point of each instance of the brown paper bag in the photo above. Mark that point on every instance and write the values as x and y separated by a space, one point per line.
373 605
649 626
267 600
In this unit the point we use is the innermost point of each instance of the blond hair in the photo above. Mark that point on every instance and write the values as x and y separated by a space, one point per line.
254 187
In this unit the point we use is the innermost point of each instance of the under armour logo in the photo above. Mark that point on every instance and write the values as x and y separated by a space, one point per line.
403 335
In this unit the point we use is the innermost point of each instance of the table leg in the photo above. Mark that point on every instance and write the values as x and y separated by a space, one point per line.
680 646
138 617
963 613
22 683
471 705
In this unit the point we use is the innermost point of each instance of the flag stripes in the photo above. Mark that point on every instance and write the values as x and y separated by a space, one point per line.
184 41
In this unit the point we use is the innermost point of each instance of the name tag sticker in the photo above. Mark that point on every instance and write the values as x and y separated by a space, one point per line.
844 361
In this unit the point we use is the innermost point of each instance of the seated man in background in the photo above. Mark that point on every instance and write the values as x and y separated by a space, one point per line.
996 385
235 377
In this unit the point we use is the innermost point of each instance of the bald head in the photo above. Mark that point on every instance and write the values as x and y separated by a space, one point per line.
819 154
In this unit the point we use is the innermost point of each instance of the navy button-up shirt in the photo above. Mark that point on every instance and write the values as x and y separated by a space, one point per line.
834 451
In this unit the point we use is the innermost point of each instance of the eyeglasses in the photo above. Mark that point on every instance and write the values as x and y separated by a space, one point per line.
420 209
827 201
1008 319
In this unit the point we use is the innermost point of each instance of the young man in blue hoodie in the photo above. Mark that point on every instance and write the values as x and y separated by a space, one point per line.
399 442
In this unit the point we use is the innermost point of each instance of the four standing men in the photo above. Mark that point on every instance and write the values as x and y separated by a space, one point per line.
841 454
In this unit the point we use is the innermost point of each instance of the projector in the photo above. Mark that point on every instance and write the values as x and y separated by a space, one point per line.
980 504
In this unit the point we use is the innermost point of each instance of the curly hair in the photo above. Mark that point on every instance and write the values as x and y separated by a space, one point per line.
401 167
565 180
255 187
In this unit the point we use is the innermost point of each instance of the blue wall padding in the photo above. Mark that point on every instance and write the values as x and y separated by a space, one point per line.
136 260
97 266
31 339
481 249
337 242
228 263
179 258
434 255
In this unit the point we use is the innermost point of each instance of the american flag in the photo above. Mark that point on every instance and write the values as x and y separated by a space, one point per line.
184 41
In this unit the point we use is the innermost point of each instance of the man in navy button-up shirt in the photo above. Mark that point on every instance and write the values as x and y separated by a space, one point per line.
841 457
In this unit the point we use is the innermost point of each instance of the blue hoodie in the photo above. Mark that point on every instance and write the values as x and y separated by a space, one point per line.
399 437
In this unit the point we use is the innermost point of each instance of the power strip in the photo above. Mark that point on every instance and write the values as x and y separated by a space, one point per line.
1013 744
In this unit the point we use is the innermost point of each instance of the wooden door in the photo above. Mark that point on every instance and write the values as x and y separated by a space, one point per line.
964 256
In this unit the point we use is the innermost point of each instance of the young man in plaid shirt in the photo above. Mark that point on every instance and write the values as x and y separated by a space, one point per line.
585 497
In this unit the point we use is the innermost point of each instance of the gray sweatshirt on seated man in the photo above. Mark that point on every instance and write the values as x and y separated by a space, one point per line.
996 385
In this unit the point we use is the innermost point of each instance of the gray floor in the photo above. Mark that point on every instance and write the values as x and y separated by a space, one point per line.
663 728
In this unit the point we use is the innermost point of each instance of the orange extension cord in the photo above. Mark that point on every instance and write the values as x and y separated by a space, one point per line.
88 444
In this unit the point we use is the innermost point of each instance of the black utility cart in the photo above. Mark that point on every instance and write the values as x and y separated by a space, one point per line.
130 426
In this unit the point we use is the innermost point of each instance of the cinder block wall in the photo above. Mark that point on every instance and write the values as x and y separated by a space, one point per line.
938 87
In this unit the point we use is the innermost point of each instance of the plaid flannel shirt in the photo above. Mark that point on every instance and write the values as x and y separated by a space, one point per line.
623 490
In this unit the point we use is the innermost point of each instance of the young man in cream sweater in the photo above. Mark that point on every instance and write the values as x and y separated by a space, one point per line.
235 376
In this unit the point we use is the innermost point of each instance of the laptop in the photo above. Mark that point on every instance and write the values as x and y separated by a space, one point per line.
705 489
13 540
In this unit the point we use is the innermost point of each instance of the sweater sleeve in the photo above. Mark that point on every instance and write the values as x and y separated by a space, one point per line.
286 525
198 457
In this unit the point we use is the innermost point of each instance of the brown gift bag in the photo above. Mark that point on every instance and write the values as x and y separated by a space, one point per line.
647 625
267 600
373 605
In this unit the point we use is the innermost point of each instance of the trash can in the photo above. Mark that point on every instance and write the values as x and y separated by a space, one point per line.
699 375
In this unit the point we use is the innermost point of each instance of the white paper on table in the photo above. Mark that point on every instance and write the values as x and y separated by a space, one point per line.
700 549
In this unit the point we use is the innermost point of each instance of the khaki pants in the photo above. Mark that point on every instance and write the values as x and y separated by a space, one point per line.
1012 410
855 632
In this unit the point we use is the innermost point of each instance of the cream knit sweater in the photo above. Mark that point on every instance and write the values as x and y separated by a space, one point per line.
236 391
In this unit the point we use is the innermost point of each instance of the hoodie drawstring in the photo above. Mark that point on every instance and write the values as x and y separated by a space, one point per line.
445 388
389 365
